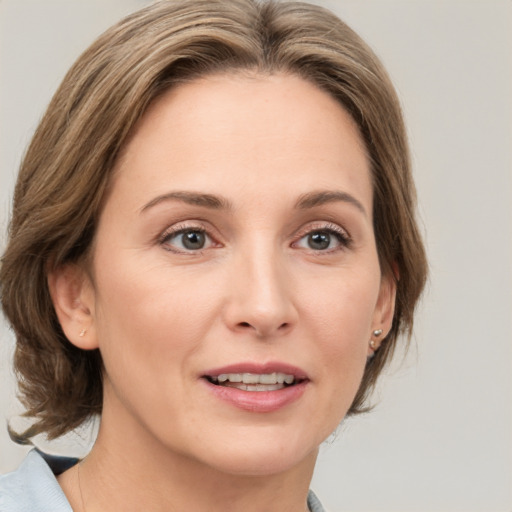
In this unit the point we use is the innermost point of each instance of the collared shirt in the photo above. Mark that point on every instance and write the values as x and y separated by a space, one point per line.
33 487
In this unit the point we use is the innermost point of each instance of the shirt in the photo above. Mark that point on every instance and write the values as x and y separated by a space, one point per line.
33 487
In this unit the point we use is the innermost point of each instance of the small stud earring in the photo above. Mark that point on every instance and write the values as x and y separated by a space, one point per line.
373 344
82 333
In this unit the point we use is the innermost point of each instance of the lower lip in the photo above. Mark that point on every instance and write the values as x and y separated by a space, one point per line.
258 401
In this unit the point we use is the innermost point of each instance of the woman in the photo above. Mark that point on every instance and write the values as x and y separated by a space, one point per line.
212 247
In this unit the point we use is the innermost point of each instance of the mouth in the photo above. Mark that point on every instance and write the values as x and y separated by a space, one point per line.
256 382
257 388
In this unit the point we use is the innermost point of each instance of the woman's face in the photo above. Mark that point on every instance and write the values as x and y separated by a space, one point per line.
237 244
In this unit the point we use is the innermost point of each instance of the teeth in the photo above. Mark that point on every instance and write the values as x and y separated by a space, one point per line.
252 378
267 379
254 387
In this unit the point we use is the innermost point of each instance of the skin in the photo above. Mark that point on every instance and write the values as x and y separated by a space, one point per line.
162 314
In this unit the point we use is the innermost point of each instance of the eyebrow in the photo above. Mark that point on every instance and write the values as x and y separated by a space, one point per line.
305 201
321 197
198 199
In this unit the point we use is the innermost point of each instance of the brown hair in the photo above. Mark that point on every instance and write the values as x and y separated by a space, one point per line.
68 166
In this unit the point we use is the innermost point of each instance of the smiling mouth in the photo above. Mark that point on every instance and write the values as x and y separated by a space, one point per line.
254 381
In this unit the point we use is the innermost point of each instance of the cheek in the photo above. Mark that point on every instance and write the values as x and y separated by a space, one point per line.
339 316
342 306
152 318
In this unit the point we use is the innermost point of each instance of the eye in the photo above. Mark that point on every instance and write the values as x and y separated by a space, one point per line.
327 238
187 240
319 240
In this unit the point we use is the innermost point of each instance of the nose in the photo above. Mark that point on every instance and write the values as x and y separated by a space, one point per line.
260 295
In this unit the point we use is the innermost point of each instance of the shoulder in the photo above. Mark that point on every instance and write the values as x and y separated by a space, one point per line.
33 486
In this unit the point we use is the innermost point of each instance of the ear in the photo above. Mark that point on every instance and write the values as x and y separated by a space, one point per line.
72 295
384 310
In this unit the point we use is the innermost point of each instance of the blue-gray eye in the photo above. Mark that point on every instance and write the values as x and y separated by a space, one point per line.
191 239
319 240
323 240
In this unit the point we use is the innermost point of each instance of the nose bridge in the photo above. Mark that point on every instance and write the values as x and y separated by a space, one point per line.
261 295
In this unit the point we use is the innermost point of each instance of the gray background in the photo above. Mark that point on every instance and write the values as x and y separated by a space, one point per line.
441 437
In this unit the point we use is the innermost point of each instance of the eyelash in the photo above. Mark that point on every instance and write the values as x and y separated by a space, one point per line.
339 233
181 229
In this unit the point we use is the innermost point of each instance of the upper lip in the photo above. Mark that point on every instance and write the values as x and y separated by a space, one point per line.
258 368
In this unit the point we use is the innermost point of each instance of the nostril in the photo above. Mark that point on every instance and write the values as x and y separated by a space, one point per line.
262 328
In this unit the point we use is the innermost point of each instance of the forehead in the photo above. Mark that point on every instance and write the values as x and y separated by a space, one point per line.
250 133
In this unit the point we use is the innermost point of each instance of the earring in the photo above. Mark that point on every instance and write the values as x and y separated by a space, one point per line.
82 333
373 343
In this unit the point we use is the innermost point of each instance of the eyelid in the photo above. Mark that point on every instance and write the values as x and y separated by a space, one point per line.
345 238
182 227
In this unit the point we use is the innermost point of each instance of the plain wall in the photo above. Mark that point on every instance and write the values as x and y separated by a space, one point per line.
441 437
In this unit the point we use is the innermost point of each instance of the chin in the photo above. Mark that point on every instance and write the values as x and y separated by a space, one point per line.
254 454
271 463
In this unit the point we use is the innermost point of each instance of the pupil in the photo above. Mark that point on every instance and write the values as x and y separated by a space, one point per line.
319 240
193 240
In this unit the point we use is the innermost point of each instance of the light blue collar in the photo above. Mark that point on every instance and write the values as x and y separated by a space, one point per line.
33 485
